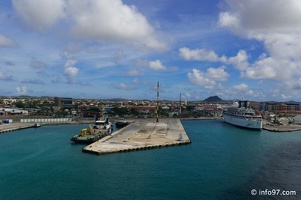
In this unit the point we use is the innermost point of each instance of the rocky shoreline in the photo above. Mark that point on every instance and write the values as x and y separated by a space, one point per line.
282 128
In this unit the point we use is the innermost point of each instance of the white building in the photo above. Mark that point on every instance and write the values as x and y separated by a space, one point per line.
12 111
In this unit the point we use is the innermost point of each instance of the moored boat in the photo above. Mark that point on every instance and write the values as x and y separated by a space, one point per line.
100 129
121 123
242 116
37 125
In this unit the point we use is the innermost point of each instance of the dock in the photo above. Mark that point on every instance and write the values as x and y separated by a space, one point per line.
142 134
15 126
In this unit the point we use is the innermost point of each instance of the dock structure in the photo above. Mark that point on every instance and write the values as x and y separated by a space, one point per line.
142 134
15 126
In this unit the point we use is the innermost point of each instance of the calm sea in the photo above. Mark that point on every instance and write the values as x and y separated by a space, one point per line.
222 162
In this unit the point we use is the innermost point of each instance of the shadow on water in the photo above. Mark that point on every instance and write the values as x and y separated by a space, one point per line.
280 171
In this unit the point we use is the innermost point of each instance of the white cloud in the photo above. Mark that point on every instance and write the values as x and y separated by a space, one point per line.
156 65
6 42
257 16
123 86
240 61
200 55
241 87
21 90
40 14
217 74
227 19
153 65
112 20
209 78
100 20
70 71
276 24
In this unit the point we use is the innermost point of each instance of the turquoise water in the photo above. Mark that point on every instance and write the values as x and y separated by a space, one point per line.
222 162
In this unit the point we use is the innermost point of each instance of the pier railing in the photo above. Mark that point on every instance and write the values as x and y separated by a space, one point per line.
45 120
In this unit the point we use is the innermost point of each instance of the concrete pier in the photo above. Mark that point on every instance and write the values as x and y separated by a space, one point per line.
142 134
15 126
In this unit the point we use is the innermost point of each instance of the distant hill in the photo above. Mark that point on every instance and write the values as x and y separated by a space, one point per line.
213 99
292 102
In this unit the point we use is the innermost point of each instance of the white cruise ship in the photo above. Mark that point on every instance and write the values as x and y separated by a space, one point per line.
241 115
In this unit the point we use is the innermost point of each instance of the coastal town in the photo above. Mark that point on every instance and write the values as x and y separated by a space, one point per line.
278 116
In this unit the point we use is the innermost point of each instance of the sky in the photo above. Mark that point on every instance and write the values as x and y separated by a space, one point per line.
104 49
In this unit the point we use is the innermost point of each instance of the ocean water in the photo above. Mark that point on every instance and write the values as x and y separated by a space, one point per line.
222 162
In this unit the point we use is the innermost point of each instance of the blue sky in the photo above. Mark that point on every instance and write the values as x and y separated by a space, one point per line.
120 49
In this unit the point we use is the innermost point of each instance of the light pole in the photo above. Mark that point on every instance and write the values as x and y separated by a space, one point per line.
157 101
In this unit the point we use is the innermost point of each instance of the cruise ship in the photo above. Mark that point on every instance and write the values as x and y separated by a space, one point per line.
241 115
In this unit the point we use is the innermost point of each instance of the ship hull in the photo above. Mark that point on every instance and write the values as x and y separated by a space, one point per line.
88 139
121 124
243 122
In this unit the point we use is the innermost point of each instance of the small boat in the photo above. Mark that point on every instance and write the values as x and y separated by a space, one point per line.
37 125
100 129
103 125
121 123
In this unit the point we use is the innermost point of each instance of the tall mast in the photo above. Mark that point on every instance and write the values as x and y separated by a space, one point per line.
157 101
180 105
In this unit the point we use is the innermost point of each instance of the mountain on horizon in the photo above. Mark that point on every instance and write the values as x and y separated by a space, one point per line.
213 99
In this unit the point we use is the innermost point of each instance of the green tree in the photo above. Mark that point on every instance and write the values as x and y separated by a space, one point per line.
20 104
120 111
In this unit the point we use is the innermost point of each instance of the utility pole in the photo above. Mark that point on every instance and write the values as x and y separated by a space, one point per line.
180 106
157 101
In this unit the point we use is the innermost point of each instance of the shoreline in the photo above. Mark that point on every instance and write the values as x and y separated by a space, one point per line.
282 128
23 125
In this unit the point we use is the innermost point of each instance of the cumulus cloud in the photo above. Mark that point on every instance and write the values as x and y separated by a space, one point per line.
94 19
123 86
156 65
6 42
259 16
208 79
227 19
125 24
41 14
200 55
153 65
21 90
240 61
241 87
276 24
70 71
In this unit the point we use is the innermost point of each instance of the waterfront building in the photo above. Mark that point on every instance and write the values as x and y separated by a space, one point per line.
12 111
63 103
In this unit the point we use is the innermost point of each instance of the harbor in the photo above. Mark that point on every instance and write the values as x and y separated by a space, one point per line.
140 135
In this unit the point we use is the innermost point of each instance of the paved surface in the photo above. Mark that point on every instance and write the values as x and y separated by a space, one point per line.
14 126
142 134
